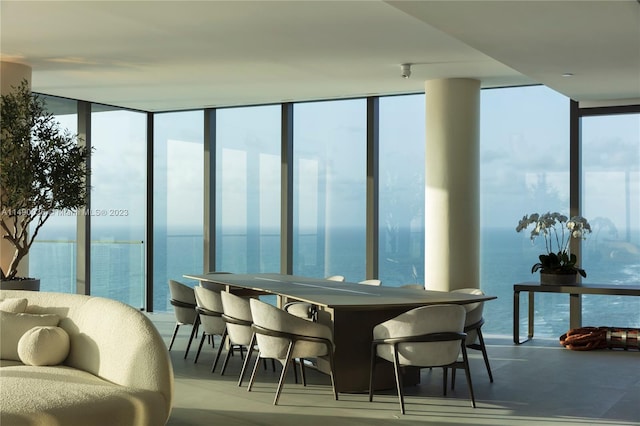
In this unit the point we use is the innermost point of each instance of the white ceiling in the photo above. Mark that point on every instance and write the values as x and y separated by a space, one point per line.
175 55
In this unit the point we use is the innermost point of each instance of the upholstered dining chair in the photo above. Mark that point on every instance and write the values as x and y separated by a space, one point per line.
285 337
473 327
428 336
370 282
335 278
237 315
308 310
210 311
183 300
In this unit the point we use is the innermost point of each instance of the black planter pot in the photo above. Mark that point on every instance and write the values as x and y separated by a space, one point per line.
558 279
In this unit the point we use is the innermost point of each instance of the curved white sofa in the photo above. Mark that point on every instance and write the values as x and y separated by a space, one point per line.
117 372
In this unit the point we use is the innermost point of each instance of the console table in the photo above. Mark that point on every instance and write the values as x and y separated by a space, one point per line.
575 301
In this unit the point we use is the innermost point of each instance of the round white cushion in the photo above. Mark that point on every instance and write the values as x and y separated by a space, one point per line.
43 346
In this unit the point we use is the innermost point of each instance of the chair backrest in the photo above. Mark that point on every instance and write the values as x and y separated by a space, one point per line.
371 282
271 318
335 278
474 312
184 295
237 315
300 309
419 322
211 310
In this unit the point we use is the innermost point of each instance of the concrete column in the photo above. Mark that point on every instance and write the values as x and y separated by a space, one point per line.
11 75
452 202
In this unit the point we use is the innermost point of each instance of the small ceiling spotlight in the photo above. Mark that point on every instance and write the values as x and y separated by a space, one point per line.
405 70
567 74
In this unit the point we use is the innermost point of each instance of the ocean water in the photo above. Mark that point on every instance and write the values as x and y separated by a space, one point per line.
506 258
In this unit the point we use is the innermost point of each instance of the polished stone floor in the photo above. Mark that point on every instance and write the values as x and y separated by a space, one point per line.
537 383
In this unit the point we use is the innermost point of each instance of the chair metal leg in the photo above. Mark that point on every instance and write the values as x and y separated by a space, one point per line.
194 332
333 379
444 379
253 373
199 347
175 332
295 373
467 372
226 359
453 378
215 362
246 359
285 366
396 364
373 365
302 373
483 348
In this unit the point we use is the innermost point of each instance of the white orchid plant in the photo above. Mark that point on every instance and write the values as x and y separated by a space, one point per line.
557 230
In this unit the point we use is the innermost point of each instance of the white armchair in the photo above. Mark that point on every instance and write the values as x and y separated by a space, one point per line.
428 336
473 327
371 282
237 315
285 337
210 311
183 300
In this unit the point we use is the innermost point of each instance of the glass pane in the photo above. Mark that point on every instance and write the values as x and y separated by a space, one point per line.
118 203
330 189
178 200
248 189
52 257
524 168
611 202
401 197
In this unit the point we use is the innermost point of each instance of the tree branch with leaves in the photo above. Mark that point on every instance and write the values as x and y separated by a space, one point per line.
43 169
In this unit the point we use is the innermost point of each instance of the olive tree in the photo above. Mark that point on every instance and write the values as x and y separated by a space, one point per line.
43 169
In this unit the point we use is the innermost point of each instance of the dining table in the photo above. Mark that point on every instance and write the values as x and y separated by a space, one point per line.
351 310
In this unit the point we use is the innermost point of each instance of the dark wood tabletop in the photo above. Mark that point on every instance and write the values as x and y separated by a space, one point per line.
337 294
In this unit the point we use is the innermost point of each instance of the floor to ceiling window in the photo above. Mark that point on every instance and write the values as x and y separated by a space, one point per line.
118 204
178 189
524 146
401 189
248 189
52 257
611 202
330 153
524 168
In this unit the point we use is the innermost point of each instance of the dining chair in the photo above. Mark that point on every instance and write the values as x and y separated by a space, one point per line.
183 300
428 336
285 337
308 310
210 312
237 315
335 278
473 327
